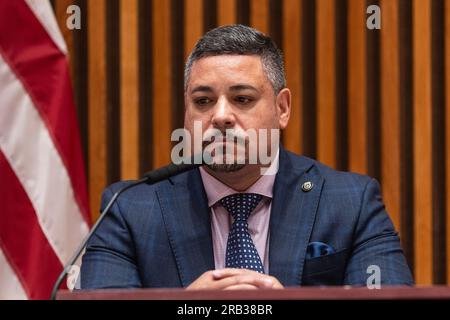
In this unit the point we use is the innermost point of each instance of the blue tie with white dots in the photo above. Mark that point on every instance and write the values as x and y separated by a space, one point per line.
241 251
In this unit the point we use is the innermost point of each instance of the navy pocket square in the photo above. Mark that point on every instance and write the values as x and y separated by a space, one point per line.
318 249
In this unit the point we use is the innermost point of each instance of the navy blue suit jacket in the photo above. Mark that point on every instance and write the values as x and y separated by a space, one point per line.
160 235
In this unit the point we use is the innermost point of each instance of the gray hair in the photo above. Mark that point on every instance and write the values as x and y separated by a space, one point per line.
240 40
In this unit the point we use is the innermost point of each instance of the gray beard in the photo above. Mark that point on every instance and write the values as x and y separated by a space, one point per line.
233 167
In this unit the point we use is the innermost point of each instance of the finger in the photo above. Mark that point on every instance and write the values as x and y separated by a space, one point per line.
228 272
258 280
278 286
223 283
242 287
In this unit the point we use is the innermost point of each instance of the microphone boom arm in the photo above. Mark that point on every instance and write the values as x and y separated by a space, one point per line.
150 178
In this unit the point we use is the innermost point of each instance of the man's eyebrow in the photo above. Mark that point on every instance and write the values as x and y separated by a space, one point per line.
242 87
201 89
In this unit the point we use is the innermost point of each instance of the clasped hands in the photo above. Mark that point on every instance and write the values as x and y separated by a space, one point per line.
234 279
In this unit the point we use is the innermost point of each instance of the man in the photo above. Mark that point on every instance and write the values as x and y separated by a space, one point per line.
227 225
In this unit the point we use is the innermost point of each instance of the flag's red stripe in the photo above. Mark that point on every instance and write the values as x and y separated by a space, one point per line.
21 237
44 72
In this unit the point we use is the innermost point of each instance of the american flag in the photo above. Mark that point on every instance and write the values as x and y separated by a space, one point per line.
43 199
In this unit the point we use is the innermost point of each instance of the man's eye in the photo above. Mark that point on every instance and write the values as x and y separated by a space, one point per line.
243 100
202 101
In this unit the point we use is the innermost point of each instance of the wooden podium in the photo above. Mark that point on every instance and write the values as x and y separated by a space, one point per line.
301 293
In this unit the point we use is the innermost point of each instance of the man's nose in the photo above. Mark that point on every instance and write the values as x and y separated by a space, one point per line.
223 117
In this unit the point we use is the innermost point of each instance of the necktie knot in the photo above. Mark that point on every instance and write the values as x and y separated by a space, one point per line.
241 205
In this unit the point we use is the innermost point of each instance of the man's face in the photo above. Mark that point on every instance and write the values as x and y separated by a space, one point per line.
232 92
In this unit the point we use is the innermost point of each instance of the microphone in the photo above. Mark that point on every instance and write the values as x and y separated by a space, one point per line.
149 178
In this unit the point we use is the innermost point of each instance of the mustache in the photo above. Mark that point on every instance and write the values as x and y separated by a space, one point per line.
239 140
212 136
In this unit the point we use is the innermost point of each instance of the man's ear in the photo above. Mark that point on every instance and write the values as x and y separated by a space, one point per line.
283 105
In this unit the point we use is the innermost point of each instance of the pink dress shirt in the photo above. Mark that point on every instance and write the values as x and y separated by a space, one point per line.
221 220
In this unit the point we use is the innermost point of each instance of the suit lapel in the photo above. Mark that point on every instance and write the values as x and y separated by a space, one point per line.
292 217
186 216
